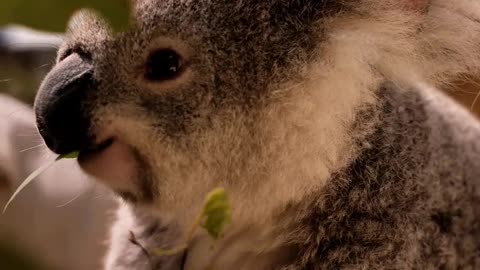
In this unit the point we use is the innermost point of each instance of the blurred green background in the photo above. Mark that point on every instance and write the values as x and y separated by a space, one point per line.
25 57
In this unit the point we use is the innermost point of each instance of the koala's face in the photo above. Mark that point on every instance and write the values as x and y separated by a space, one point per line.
179 100
201 94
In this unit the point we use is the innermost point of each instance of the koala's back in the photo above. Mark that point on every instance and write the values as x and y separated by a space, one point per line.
409 200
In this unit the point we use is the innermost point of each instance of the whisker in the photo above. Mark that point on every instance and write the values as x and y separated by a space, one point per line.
35 135
31 148
98 197
17 111
477 96
463 91
45 44
72 200
90 190
42 66
28 135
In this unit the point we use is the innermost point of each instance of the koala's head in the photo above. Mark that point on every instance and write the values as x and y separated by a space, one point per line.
205 93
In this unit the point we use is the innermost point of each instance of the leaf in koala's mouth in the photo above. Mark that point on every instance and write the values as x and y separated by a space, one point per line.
94 149
36 173
72 155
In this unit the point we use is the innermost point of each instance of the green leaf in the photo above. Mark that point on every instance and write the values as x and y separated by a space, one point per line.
36 173
72 155
217 212
53 15
27 181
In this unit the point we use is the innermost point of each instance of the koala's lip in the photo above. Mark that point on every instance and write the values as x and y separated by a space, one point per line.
95 149
112 162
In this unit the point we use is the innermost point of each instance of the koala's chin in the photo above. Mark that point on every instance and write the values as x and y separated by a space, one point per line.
115 165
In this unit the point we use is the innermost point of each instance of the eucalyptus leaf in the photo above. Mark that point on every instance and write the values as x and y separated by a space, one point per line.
72 155
217 212
27 181
53 15
215 215
36 173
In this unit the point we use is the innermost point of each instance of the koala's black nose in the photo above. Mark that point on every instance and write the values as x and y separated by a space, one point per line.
59 106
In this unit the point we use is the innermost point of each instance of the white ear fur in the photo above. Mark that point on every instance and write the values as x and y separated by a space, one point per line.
435 46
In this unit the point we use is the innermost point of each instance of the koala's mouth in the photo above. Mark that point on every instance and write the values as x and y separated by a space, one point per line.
113 162
95 149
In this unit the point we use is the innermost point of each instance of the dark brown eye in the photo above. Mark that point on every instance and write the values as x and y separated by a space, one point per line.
163 65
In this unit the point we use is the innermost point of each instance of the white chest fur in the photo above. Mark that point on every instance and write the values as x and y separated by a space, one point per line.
249 249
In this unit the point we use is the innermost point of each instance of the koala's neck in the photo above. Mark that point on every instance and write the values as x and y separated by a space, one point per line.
312 134
309 135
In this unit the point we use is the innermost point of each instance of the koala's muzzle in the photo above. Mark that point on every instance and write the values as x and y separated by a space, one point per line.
59 106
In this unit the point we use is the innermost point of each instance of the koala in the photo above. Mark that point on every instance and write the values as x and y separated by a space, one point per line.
320 119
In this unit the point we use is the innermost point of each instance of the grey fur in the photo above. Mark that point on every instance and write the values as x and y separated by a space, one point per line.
410 200
402 190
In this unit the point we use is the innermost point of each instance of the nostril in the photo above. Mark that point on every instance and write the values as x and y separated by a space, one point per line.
60 105
75 50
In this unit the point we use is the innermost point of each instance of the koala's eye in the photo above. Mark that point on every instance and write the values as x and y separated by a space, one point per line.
164 64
